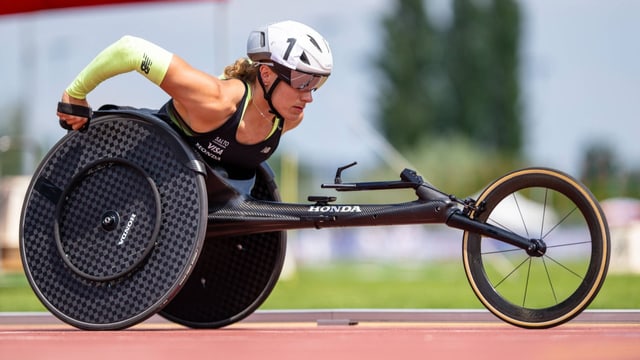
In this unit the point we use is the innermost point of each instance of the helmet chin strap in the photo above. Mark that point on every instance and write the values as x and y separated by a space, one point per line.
267 94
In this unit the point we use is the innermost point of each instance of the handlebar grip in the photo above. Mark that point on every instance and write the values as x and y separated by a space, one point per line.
76 110
411 176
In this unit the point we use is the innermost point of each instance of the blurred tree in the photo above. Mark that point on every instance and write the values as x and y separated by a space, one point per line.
405 61
461 79
605 176
632 183
482 63
599 170
11 137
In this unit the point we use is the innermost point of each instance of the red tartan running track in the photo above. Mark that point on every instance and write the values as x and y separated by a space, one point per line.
292 335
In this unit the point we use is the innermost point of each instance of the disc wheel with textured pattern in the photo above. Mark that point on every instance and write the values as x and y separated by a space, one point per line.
234 275
113 222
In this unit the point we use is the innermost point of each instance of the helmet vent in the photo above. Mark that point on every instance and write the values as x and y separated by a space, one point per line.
263 41
304 58
314 42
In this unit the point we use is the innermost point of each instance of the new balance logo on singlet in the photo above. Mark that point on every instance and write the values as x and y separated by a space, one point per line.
145 65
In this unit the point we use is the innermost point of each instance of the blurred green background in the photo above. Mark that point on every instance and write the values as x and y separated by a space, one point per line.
360 285
473 89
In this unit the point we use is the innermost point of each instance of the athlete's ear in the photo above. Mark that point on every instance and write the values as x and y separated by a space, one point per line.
267 74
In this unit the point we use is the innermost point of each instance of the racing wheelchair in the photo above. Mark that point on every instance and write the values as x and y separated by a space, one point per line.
125 221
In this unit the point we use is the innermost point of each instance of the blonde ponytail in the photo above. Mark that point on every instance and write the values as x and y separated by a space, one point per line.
243 69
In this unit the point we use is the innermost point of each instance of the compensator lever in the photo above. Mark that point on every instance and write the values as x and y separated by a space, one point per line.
338 178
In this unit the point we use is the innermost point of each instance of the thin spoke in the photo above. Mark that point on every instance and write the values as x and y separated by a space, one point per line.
569 244
521 216
564 267
510 273
553 290
544 212
526 284
498 224
559 222
501 251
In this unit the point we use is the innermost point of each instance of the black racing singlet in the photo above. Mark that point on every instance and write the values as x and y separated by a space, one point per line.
219 147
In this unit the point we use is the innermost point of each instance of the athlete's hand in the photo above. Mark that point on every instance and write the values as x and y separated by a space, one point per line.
73 121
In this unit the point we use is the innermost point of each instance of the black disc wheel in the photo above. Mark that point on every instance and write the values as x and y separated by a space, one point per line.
553 285
103 238
113 222
234 275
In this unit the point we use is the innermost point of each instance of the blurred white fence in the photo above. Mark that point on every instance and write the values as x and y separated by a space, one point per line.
12 192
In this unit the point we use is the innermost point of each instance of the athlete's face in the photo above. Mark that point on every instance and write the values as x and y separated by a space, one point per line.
288 101
291 102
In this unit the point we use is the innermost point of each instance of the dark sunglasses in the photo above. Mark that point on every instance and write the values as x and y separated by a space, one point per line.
298 79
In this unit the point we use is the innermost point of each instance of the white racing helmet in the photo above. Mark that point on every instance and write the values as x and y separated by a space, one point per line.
298 54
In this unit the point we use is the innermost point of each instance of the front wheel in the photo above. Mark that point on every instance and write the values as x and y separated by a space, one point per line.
547 290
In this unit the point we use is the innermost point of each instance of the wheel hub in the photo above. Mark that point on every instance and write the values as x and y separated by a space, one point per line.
537 248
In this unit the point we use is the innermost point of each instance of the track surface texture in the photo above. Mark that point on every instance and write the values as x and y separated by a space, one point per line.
333 335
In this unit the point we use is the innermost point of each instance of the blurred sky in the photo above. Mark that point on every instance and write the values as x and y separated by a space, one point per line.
580 69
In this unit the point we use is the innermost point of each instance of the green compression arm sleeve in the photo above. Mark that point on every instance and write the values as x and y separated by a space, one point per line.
125 55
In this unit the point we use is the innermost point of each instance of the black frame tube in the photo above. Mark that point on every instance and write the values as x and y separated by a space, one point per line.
256 216
233 213
460 221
